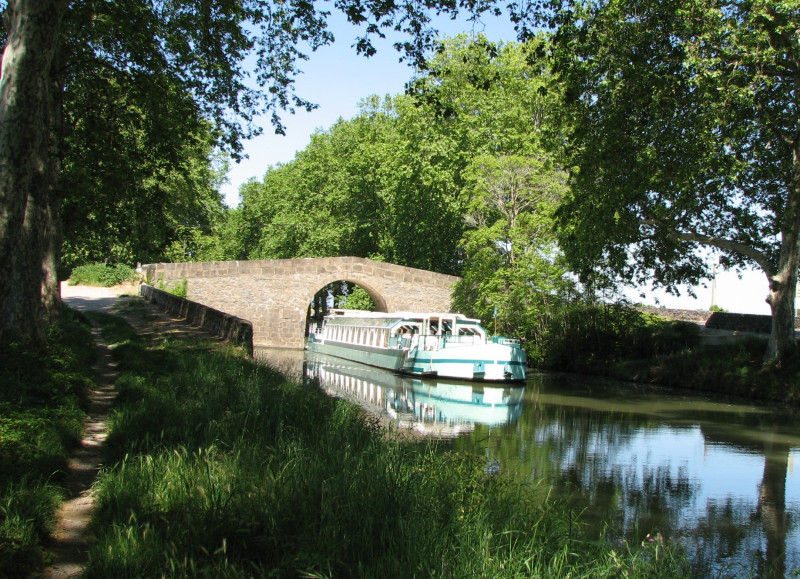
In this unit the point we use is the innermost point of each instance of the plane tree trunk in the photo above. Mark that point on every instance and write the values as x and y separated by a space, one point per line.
783 282
29 167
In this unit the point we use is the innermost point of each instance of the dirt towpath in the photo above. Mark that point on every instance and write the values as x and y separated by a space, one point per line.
71 539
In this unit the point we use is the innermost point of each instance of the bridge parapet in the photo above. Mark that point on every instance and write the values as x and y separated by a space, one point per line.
275 294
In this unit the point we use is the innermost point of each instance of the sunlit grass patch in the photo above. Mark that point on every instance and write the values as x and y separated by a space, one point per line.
114 329
102 274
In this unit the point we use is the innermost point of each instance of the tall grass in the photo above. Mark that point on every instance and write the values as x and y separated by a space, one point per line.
223 468
43 393
27 515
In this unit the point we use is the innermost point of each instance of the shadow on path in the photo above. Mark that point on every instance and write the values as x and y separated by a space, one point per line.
71 538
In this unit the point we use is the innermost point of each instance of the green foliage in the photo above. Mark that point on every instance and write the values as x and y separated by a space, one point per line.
513 272
139 175
716 308
177 288
391 182
733 370
102 274
572 335
592 337
326 202
41 401
711 88
160 148
357 299
224 468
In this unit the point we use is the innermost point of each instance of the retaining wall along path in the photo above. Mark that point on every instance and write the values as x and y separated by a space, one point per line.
228 327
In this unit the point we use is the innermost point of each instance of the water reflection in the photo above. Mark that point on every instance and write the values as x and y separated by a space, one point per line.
716 476
431 407
719 477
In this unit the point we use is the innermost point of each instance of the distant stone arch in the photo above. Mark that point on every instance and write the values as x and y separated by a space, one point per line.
275 294
371 289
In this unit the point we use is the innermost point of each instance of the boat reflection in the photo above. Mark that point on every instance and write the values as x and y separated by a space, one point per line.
440 408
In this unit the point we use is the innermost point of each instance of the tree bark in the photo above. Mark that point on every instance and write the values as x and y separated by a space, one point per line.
28 168
783 283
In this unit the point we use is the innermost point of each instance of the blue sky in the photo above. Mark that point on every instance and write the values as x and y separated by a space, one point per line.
337 79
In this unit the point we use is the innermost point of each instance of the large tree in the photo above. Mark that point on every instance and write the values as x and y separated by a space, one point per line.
138 169
687 139
201 47
477 103
29 125
514 271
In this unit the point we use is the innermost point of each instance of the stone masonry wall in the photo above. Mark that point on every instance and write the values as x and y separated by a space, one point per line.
275 294
226 326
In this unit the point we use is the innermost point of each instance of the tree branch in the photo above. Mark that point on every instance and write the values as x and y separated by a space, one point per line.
719 242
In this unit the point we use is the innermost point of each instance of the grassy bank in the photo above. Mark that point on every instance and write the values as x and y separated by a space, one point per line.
224 468
42 401
731 370
219 467
621 342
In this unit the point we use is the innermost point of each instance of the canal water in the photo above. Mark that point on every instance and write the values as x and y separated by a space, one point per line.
722 478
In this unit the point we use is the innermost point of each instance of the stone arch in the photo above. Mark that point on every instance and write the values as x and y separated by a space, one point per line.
370 286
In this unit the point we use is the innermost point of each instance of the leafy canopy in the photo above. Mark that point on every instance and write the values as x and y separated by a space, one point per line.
686 118
391 183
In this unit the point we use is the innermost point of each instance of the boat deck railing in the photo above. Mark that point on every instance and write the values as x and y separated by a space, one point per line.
436 342
505 341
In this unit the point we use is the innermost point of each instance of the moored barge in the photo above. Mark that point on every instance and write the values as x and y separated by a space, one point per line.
422 344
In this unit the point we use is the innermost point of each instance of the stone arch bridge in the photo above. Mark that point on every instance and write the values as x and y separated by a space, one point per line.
275 294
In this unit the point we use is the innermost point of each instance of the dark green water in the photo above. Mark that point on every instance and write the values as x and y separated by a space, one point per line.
720 477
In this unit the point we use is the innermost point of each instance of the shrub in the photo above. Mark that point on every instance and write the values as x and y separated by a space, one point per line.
584 336
358 299
100 274
177 288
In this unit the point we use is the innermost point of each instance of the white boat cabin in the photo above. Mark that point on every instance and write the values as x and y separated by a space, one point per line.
398 329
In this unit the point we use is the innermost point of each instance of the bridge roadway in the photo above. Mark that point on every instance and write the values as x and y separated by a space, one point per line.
275 294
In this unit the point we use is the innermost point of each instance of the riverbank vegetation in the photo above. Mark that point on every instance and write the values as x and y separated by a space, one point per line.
42 402
482 196
622 342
